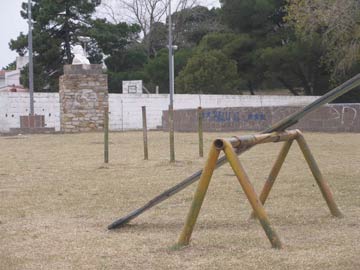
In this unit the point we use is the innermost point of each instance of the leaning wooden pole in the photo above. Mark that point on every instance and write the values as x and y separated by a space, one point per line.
279 126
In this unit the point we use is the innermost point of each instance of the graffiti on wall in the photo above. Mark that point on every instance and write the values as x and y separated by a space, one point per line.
332 118
346 115
229 116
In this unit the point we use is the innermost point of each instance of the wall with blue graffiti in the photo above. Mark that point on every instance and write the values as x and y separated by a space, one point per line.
330 118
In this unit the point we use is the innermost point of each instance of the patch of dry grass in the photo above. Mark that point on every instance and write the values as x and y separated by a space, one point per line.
57 197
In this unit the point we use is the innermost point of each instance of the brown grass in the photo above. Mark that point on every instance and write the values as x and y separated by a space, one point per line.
57 197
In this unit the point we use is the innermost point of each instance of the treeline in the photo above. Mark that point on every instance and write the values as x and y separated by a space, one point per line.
304 46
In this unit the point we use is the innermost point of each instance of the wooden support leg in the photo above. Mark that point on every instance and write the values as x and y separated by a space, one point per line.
323 185
274 173
251 195
200 193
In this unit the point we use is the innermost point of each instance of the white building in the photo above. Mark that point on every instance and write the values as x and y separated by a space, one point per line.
10 80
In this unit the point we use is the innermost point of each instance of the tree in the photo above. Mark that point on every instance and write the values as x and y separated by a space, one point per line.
255 16
11 66
209 73
254 22
56 27
193 23
156 70
241 49
338 24
125 56
147 14
295 64
156 39
119 42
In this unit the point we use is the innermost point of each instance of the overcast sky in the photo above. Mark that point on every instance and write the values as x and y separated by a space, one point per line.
11 24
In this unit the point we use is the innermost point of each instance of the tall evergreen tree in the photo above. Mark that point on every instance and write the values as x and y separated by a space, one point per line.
56 27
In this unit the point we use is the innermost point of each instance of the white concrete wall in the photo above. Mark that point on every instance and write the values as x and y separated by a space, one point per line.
13 105
125 109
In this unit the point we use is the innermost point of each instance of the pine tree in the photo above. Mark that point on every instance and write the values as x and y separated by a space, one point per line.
57 26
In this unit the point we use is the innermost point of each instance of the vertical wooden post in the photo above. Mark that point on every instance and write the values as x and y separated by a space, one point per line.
106 134
171 132
320 180
200 131
146 153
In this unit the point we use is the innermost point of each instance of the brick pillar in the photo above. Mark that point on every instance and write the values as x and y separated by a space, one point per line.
83 93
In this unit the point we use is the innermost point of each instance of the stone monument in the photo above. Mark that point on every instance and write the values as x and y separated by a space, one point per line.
83 91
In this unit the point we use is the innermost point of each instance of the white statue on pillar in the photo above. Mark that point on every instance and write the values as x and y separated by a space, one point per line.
79 56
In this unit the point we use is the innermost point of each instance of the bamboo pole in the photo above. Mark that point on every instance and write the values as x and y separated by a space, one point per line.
322 183
274 173
251 195
199 197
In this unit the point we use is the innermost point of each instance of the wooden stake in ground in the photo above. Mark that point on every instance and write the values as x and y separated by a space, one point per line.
146 152
171 132
106 134
200 131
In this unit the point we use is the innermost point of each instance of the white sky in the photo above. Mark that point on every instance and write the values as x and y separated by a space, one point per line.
11 24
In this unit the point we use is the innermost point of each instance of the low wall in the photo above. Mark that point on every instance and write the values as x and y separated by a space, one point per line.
13 105
330 118
125 109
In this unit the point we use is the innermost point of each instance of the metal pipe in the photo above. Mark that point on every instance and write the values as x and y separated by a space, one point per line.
31 63
251 194
199 197
171 88
322 183
171 63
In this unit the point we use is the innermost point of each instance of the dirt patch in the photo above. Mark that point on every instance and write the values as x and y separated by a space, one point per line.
57 197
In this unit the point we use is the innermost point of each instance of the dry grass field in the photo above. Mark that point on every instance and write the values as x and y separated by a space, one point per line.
57 198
